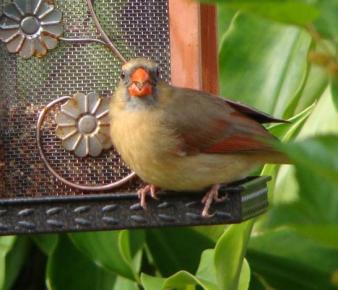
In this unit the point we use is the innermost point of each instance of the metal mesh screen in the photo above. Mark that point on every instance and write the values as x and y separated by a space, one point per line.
137 28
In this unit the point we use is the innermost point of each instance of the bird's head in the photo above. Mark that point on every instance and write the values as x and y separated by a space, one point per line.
139 77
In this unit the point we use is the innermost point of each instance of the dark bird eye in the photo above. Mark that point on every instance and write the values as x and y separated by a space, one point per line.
122 75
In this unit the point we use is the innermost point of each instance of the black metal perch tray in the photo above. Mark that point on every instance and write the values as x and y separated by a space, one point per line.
247 199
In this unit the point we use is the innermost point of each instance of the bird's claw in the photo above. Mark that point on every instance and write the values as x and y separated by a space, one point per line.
211 196
144 191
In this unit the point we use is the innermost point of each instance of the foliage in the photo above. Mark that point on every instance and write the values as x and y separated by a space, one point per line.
281 57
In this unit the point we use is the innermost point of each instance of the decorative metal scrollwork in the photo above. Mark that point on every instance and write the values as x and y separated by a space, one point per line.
91 107
30 27
34 27
83 125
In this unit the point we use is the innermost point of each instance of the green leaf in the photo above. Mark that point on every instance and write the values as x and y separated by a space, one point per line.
212 232
124 284
180 281
206 274
325 234
131 245
286 260
244 278
206 270
315 84
6 244
289 11
334 90
286 197
47 243
229 254
321 13
326 24
258 283
180 248
224 18
282 273
323 119
323 149
104 248
285 131
15 260
69 269
152 283
249 69
317 183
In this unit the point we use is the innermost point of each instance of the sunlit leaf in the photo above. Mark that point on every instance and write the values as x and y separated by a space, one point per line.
206 270
267 73
244 278
180 280
315 84
320 13
288 11
152 283
285 131
229 254
224 17
286 197
334 90
315 198
124 284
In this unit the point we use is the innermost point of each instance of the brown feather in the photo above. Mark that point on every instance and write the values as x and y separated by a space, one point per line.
254 114
182 139
207 124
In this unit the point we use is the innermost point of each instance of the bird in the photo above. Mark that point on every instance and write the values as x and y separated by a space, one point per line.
181 139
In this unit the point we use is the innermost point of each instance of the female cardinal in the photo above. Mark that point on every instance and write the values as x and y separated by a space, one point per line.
185 140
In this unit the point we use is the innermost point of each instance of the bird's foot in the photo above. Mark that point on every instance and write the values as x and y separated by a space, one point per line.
146 190
211 196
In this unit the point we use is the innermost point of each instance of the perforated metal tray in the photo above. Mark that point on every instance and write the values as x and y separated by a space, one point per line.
247 199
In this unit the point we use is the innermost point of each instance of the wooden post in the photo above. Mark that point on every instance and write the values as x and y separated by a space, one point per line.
193 45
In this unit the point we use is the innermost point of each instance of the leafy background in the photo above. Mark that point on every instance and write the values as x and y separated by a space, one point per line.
281 57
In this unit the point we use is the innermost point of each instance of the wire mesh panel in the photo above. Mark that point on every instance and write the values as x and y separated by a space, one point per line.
137 28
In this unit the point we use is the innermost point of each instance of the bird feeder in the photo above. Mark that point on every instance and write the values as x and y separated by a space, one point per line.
59 64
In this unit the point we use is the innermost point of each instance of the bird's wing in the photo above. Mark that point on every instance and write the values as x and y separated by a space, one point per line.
208 124
253 113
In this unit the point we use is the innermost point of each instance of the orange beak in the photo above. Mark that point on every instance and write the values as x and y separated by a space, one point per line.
141 86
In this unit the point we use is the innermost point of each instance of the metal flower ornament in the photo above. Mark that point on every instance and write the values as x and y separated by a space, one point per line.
83 125
30 27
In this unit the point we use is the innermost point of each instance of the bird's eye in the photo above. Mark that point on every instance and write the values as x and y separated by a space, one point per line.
122 75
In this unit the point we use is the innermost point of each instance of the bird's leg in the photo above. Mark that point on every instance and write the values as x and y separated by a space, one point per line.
209 197
144 191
